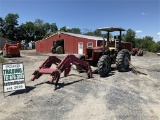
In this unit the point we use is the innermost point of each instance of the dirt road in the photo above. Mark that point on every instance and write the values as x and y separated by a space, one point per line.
120 96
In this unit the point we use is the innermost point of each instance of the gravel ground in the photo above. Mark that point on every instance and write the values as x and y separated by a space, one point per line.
120 96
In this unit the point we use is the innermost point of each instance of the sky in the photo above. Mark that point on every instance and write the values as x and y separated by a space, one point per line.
142 16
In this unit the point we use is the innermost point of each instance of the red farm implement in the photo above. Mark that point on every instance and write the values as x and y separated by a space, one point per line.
11 50
61 66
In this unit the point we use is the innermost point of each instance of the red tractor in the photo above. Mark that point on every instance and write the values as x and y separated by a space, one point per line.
111 52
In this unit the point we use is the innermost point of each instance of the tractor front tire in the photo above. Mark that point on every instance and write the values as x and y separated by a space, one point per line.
122 60
59 50
104 65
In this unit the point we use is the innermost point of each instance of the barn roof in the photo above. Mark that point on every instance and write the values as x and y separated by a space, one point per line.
83 36
79 35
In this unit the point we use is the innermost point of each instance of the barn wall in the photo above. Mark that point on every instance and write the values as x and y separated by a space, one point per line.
44 46
71 43
85 43
100 42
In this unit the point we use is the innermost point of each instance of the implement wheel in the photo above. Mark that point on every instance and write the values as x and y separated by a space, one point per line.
122 60
59 49
104 65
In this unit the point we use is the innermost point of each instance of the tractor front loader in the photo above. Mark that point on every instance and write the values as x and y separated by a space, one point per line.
61 66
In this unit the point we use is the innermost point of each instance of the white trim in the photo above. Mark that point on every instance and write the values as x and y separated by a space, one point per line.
89 46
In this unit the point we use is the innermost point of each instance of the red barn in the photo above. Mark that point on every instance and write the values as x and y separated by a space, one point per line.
73 43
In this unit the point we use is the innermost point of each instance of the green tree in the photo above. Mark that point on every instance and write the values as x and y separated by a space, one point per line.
63 29
130 37
158 46
97 33
39 29
89 32
27 31
42 29
138 42
46 27
106 35
93 33
154 47
85 31
53 28
2 29
70 30
148 43
38 23
74 30
11 26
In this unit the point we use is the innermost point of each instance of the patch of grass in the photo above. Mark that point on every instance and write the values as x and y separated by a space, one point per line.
2 60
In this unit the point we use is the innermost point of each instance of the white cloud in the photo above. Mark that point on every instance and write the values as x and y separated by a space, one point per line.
158 34
143 13
138 31
68 27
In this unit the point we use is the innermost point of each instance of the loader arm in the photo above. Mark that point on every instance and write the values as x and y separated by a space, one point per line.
62 65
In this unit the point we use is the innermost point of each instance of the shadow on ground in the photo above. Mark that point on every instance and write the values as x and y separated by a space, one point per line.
27 90
59 85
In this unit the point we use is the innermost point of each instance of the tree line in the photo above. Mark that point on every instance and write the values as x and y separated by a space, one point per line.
37 30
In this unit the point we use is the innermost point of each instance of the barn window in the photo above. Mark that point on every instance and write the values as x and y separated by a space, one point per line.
90 45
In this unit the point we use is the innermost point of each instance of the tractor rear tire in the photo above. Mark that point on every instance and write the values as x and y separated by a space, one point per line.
104 65
122 60
59 50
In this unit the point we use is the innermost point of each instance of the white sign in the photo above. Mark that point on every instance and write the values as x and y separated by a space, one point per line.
13 77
